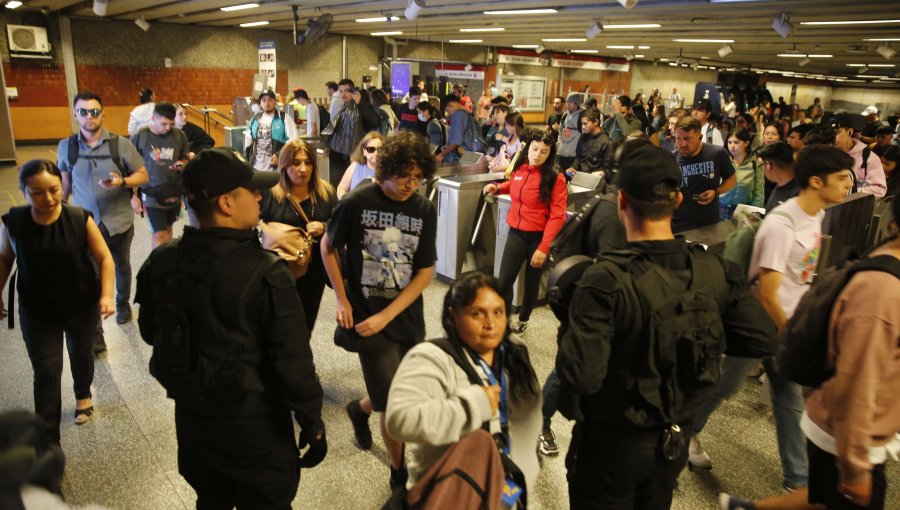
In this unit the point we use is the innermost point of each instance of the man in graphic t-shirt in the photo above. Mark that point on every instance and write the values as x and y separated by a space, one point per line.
408 116
267 133
165 151
388 232
707 172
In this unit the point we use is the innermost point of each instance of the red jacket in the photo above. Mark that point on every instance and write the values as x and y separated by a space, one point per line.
528 213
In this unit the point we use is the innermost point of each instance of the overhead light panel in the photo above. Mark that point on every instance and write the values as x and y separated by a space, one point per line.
142 23
565 40
853 22
625 26
820 55
378 19
639 56
462 41
525 46
240 7
792 55
628 4
885 39
886 51
584 51
804 61
13 5
726 50
594 30
714 41
782 24
254 24
412 9
486 29
521 11
382 34
882 65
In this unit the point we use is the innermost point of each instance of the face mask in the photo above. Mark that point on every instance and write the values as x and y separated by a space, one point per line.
422 118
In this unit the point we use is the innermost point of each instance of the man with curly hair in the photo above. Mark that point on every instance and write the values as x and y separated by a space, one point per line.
388 232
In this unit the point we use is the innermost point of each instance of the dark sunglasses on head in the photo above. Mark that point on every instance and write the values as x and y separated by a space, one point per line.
372 150
95 112
540 137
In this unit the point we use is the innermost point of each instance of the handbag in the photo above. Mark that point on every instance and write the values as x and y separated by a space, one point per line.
293 244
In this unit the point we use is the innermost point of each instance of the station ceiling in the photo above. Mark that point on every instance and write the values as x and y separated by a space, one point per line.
832 50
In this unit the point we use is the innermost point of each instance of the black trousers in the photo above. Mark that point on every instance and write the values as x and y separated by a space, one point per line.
120 247
310 289
520 246
43 337
337 165
620 468
823 482
239 462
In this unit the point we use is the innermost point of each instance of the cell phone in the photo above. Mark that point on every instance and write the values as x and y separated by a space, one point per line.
696 197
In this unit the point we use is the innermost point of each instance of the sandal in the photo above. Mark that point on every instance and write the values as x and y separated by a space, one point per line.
83 416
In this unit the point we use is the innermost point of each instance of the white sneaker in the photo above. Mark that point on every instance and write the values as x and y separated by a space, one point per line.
697 458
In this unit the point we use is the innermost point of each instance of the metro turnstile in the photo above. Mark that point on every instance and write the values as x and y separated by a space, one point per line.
458 198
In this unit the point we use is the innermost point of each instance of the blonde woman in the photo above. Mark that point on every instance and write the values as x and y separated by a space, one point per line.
315 197
362 163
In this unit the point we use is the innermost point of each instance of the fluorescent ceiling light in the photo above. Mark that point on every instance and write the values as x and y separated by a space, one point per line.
239 7
525 46
819 55
882 65
13 5
624 26
664 60
564 40
255 24
886 39
465 40
619 47
584 51
716 41
376 20
855 22
497 29
522 11
856 65
792 55
387 33
732 1
638 56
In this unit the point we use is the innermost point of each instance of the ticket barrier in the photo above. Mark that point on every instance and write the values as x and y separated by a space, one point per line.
467 165
581 188
465 233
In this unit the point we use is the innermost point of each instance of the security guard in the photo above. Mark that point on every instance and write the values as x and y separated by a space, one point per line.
646 329
230 345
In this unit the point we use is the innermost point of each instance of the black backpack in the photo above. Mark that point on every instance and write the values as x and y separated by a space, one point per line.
683 333
570 240
804 356
324 117
72 153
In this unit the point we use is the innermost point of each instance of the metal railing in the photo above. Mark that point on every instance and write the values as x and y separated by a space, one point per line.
206 113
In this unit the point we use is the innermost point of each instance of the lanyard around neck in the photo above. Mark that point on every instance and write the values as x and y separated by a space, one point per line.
504 418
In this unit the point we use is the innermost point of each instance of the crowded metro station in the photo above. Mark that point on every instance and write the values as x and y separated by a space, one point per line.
405 255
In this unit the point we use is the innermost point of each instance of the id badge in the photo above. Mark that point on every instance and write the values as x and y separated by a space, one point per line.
511 493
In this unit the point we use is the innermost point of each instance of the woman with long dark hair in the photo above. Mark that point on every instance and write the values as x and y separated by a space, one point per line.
432 403
538 211
514 125
301 199
749 189
56 247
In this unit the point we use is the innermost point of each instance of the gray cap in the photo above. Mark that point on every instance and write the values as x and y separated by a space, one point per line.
575 98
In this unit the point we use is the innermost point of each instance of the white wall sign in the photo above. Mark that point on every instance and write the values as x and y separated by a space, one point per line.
529 92
267 62
459 74
588 64
521 59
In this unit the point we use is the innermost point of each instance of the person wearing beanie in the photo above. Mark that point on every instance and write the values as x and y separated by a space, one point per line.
622 122
570 130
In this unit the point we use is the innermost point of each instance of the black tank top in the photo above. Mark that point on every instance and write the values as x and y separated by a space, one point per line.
57 274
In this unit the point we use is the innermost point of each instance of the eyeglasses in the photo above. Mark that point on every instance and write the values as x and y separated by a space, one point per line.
406 179
83 112
372 150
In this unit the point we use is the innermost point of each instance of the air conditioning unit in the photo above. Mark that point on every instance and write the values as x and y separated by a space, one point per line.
27 39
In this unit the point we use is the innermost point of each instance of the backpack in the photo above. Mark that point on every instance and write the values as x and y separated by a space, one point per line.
739 244
72 154
384 122
683 333
324 117
805 356
571 237
473 132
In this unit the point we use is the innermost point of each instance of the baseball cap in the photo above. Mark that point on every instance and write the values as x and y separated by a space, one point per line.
703 104
846 120
214 172
869 110
267 92
644 168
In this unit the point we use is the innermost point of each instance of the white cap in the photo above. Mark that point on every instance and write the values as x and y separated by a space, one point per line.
869 110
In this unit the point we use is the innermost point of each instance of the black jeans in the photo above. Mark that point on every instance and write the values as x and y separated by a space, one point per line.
120 247
612 468
43 335
520 246
310 288
337 165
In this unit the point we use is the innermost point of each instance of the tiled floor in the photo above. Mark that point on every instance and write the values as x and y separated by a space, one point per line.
125 458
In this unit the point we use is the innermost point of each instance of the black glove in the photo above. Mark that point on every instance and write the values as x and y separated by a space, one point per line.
318 448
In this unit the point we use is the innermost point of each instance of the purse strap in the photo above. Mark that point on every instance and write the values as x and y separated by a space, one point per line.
297 208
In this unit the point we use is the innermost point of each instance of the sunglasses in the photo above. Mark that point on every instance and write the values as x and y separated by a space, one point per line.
541 138
83 112
372 150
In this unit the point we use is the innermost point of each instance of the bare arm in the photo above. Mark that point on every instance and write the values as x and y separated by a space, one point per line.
344 186
7 257
410 293
100 252
727 184
66 185
333 269
769 283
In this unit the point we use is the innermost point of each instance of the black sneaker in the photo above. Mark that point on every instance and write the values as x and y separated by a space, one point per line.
398 478
360 422
123 314
99 345
547 443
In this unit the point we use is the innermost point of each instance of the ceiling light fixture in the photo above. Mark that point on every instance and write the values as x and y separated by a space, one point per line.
625 26
820 55
619 47
584 51
521 11
726 50
142 23
464 41
565 40
886 39
804 61
792 55
412 9
13 5
594 30
525 46
854 22
254 24
715 41
378 19
238 7
486 29
782 24
638 56
381 34
886 51
882 65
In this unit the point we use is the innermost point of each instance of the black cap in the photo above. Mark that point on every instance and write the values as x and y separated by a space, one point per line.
847 120
267 92
644 168
214 172
703 104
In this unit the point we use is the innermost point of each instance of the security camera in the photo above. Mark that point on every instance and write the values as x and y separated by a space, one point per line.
100 7
886 51
782 25
594 30
804 61
412 9
724 51
141 22
628 4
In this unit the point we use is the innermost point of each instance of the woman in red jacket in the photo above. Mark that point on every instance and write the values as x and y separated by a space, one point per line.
538 211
